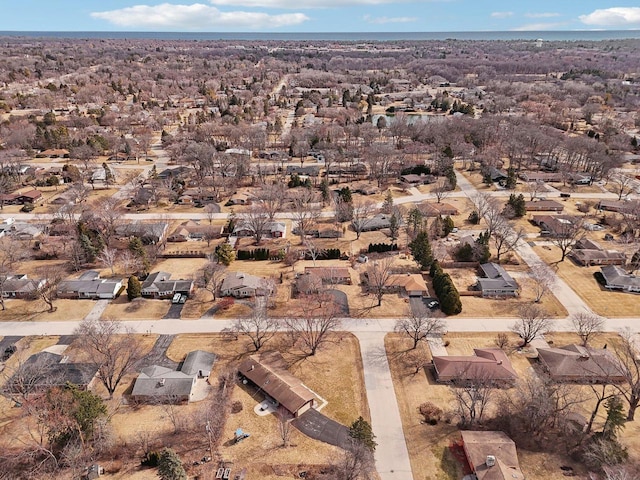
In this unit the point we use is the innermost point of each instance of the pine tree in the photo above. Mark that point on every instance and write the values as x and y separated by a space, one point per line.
615 417
421 250
225 254
518 204
134 288
387 205
170 466
361 430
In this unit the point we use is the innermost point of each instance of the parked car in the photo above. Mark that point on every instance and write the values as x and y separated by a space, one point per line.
176 298
183 298
433 304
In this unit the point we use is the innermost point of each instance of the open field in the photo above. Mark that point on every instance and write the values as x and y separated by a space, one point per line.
140 308
582 281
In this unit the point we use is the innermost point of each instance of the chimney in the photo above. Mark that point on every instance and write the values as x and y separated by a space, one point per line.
491 460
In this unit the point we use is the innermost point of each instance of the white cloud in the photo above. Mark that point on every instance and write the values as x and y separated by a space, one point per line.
194 17
306 3
502 14
613 17
534 27
385 20
542 15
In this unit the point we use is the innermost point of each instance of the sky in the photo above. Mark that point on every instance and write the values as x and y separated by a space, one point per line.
317 15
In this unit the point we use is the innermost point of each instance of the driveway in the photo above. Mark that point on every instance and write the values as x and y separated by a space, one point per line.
320 427
175 310
157 354
392 456
341 300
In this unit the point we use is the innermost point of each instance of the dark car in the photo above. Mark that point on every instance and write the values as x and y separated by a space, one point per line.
10 350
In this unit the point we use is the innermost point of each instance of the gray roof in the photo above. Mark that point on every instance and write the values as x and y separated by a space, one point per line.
581 364
616 277
497 278
198 361
161 282
20 284
89 283
237 280
51 369
157 381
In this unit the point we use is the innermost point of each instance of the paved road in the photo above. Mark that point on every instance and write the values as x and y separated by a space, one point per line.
392 456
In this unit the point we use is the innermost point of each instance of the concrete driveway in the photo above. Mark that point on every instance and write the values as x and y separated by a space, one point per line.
157 354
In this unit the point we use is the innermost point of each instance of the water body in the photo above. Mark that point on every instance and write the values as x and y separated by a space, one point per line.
574 35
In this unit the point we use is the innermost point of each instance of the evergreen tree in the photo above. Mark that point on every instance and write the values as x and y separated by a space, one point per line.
170 466
474 218
615 417
421 250
510 182
447 225
134 288
225 254
361 431
451 176
394 227
345 194
137 248
387 205
518 204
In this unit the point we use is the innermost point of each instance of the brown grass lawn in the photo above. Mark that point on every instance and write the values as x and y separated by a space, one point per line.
185 268
141 308
335 374
38 311
427 444
582 281
501 307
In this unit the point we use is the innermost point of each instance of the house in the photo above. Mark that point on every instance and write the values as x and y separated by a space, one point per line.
193 230
243 285
580 178
492 455
309 171
438 209
409 284
413 179
550 177
47 370
377 222
54 153
544 206
268 372
555 225
175 172
589 253
239 199
89 286
19 286
148 233
487 364
270 229
21 230
160 285
201 194
496 282
330 275
157 384
20 198
616 278
619 206
496 174
575 363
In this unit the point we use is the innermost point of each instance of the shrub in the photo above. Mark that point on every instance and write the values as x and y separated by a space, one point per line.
236 407
151 459
431 413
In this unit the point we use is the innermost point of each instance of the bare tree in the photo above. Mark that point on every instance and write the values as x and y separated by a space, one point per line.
211 276
629 368
587 325
30 376
622 184
533 321
256 221
258 326
567 235
316 321
285 429
541 280
534 189
306 211
210 210
472 399
419 325
11 252
272 197
506 239
356 463
110 345
378 275
442 189
314 250
362 212
108 257
47 290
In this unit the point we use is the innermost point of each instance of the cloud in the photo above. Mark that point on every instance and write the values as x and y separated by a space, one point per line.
542 15
384 20
306 3
168 16
502 14
534 27
613 17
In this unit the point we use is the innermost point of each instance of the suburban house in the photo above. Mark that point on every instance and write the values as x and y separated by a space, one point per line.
89 286
21 230
268 372
160 285
543 206
157 384
496 174
438 209
19 286
201 194
413 179
554 225
618 279
239 199
487 364
48 369
575 363
193 230
17 198
580 178
589 253
377 222
243 285
496 282
620 206
492 455
271 229
148 233
330 275
409 284
550 177
54 153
